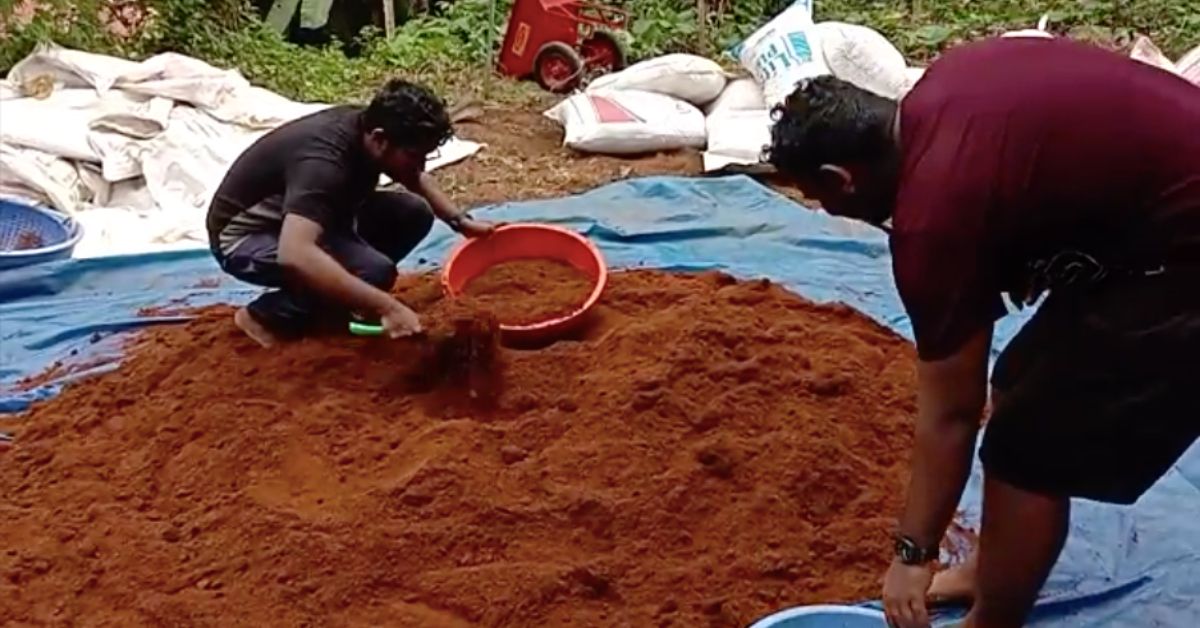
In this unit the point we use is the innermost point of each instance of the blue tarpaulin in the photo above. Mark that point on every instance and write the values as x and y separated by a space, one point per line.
1123 566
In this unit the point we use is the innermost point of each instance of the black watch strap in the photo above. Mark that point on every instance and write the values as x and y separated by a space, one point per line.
909 552
456 222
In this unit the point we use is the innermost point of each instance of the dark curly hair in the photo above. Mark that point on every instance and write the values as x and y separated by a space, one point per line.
411 116
829 121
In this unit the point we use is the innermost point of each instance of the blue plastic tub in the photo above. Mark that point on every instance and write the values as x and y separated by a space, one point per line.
824 616
56 234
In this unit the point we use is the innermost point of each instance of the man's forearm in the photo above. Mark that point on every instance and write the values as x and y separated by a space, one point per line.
951 393
444 208
317 271
940 466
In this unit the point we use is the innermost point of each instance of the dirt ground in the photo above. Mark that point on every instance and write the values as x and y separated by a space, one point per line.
525 159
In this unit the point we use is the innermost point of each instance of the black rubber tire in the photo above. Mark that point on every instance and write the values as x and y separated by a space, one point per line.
607 39
561 56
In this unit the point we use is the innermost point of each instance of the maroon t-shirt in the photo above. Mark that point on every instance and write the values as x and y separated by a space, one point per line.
1017 149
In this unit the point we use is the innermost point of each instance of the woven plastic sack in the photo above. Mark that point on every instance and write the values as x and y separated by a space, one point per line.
1189 66
742 94
736 137
687 77
783 52
628 122
862 56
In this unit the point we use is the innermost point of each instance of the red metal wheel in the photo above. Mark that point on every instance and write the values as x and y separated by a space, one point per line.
557 68
602 51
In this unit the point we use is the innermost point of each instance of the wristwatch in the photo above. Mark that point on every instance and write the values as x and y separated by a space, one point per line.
909 552
456 222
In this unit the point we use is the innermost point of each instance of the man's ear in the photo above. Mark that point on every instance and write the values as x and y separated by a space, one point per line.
836 178
377 140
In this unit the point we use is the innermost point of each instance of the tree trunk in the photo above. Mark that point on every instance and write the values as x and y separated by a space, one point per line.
389 18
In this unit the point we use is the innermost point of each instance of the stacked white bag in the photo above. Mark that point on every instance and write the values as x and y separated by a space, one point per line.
862 56
791 48
648 107
653 105
784 52
687 77
1188 66
738 125
628 122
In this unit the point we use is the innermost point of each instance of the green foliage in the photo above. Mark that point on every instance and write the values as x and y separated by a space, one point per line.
451 50
459 37
922 28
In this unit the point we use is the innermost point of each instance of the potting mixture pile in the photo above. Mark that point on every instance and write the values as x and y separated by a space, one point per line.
523 292
708 452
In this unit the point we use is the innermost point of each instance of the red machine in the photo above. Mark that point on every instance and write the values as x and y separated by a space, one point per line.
558 42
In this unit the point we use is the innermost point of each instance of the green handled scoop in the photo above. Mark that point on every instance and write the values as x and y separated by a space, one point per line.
365 329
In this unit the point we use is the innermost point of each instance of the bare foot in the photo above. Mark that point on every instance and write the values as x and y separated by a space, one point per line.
254 329
955 585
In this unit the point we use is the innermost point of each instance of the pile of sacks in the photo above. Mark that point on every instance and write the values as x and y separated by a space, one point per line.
684 101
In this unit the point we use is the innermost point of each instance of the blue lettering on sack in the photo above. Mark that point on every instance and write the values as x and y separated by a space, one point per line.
772 60
800 46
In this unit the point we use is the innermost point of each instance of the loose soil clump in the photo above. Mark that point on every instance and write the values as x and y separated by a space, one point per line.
28 240
530 291
708 452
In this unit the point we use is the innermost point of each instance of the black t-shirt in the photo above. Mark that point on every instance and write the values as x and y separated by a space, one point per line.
314 167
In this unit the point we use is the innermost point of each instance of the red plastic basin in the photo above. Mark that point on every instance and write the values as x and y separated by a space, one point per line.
473 257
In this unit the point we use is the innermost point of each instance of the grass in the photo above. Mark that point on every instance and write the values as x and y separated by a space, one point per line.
450 52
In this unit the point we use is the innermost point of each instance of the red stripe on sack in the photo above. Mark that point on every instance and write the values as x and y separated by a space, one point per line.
608 110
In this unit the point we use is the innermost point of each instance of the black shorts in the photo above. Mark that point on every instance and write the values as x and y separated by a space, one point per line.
1099 394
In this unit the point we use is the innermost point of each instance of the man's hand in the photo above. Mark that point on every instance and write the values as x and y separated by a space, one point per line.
472 228
399 321
904 590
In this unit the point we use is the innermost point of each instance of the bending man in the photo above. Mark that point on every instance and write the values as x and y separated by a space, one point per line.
1027 167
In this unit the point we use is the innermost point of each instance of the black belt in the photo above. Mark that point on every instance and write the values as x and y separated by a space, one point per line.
1070 270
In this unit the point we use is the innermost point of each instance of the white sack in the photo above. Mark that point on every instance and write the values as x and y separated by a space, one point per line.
1038 31
184 166
911 77
1029 32
686 77
1189 66
863 57
166 128
133 115
736 137
58 125
784 52
628 122
61 123
1145 51
71 68
225 94
742 94
42 178
9 90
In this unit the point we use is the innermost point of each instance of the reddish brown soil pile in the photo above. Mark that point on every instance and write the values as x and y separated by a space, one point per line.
529 291
711 451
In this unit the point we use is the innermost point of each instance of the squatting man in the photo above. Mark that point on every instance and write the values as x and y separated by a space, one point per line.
1033 168
299 212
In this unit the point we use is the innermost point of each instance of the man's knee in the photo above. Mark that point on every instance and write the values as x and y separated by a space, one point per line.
423 214
417 219
396 222
380 272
